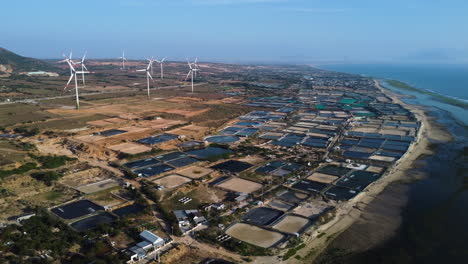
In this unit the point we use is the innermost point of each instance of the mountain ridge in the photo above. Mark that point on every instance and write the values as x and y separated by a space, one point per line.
12 63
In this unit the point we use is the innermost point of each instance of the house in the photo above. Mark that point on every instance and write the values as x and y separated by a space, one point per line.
155 240
150 242
135 253
219 206
188 218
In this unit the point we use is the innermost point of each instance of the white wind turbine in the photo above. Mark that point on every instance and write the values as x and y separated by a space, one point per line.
148 75
83 68
161 63
73 74
191 72
151 64
195 64
123 60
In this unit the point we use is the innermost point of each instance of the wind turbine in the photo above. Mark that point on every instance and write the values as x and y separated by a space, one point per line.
148 75
123 60
83 68
151 62
73 74
192 70
195 64
161 63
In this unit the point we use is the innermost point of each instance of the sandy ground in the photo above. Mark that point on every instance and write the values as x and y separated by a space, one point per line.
322 177
239 185
98 186
195 172
349 212
130 148
291 224
172 181
254 235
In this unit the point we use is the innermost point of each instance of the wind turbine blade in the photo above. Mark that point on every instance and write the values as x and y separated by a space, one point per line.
84 56
188 74
142 70
84 66
69 80
149 75
163 59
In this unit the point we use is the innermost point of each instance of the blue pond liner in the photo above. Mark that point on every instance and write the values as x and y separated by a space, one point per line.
356 154
394 147
398 143
182 162
340 193
291 166
314 144
389 154
309 186
248 124
208 152
141 163
153 170
92 222
272 137
157 139
364 176
222 139
283 143
110 132
128 210
76 209
265 169
352 184
247 132
171 156
369 145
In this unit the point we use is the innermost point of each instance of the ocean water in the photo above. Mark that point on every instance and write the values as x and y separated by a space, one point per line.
448 80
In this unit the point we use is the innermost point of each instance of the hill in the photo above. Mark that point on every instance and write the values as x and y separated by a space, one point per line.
11 62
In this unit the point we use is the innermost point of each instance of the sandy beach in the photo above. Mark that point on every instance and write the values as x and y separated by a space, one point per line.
347 213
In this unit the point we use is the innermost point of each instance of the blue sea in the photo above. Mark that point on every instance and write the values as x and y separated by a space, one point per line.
448 80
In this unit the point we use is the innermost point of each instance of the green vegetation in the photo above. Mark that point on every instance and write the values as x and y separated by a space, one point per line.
291 252
166 213
48 177
52 162
22 169
438 97
26 132
36 234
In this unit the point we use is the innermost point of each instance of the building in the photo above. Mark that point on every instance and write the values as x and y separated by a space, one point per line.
150 243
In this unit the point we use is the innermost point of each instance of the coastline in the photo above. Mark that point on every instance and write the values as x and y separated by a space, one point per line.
317 240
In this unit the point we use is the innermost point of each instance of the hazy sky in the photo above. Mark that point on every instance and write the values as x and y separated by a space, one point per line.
241 30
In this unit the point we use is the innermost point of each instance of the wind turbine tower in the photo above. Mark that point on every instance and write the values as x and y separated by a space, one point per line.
148 75
73 74
123 60
83 68
192 70
161 63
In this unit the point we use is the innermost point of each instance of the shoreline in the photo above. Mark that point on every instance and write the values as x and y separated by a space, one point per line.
439 97
318 240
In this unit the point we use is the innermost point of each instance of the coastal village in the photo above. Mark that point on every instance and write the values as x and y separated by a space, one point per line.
250 168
